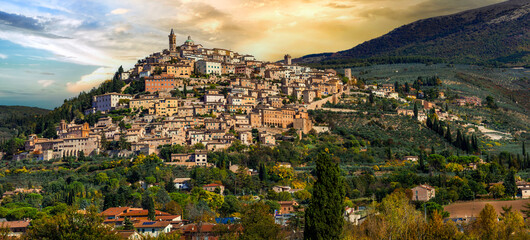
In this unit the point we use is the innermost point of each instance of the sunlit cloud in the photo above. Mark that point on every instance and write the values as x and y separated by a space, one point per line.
119 11
46 83
3 56
90 80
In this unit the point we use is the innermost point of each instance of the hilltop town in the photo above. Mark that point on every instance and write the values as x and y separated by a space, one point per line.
198 96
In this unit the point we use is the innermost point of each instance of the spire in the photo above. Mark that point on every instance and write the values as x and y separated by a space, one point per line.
171 32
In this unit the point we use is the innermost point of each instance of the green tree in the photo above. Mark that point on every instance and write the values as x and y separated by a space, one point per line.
486 223
436 161
149 204
71 225
258 223
509 184
490 102
127 224
324 216
415 111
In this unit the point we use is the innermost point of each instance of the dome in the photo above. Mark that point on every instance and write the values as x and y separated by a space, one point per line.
189 41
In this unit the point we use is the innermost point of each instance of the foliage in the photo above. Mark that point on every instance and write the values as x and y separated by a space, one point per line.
323 219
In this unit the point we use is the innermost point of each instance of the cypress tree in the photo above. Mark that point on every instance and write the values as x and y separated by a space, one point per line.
323 217
509 184
422 160
416 112
448 136
127 224
524 149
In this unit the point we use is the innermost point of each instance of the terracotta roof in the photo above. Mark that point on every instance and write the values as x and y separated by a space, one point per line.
15 224
191 228
126 233
143 213
213 185
113 211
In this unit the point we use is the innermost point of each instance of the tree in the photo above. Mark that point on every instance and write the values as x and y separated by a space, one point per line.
415 111
436 161
149 204
104 142
257 223
490 102
526 210
524 149
448 136
486 223
509 184
173 207
497 190
71 225
127 224
324 219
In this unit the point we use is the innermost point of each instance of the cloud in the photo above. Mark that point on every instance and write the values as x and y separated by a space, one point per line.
46 83
90 80
119 11
20 21
3 56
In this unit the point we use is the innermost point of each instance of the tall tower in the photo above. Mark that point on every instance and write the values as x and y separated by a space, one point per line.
347 73
172 41
287 59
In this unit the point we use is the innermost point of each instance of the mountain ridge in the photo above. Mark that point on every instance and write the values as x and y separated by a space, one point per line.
494 34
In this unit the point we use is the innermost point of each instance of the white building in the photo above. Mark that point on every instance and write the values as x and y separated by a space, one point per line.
214 98
153 229
208 67
108 101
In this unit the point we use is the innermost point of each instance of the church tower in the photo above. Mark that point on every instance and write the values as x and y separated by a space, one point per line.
172 41
287 59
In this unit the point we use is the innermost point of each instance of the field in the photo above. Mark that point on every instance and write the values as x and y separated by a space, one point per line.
473 208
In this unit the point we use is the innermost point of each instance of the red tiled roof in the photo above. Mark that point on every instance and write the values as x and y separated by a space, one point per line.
113 211
15 224
143 213
191 228
126 233
213 185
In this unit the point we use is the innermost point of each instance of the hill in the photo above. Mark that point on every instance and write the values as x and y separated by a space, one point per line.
10 115
498 34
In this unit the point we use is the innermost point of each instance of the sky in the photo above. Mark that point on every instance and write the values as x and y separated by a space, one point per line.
51 50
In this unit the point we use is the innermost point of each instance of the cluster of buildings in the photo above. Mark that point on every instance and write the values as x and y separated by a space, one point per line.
226 97
73 140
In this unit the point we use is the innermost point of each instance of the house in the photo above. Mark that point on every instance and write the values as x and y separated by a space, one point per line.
153 229
411 158
129 234
114 212
207 231
280 189
523 188
353 216
182 183
423 193
16 228
212 186
287 207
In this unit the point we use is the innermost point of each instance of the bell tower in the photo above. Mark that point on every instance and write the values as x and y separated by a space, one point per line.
172 41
